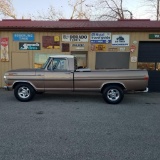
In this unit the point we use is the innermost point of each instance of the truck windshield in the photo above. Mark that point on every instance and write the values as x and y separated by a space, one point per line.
45 64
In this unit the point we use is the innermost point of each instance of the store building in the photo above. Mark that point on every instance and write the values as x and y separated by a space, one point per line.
126 44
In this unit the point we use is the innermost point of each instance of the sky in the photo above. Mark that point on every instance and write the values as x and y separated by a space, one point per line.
24 8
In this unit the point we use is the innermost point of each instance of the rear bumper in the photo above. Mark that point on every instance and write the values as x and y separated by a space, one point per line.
7 88
146 90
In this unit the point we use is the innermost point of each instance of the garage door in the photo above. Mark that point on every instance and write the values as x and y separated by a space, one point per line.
149 58
112 60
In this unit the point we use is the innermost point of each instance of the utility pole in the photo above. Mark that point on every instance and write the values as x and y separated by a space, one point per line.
158 10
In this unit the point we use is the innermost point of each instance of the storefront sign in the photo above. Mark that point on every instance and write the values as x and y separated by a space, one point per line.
78 45
29 46
98 47
74 37
23 37
134 59
100 37
112 49
4 50
154 36
51 42
65 47
122 49
132 48
120 40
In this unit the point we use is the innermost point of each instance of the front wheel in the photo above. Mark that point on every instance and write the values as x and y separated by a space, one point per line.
113 94
24 92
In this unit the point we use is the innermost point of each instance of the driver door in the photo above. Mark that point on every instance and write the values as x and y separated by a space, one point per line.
57 75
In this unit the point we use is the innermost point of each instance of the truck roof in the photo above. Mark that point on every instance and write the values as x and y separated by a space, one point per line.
62 56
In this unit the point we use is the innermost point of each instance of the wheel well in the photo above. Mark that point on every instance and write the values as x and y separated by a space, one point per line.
15 84
112 84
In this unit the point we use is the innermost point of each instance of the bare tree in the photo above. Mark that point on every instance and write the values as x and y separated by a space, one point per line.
6 8
51 14
80 10
110 10
152 8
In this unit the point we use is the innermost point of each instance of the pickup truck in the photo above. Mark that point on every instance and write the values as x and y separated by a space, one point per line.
61 73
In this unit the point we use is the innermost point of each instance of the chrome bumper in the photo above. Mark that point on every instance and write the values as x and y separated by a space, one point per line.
146 90
7 88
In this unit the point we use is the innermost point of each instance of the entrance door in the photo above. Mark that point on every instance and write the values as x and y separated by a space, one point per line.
20 60
149 58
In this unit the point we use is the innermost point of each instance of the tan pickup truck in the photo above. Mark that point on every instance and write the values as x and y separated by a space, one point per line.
61 73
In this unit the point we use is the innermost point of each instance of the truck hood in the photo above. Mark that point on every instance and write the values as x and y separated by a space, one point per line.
20 72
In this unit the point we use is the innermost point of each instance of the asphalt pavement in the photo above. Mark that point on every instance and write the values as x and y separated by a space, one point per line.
79 127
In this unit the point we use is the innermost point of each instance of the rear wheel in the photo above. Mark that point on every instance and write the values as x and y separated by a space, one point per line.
113 94
24 92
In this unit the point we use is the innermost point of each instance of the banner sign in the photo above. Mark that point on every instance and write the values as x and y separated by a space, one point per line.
23 37
154 36
74 37
120 40
29 46
100 37
4 50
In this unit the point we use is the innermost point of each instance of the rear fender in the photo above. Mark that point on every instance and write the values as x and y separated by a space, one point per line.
104 85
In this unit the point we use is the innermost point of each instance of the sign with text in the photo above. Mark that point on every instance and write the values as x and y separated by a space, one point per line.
23 37
29 46
100 37
78 46
74 37
154 36
120 40
51 42
4 49
98 47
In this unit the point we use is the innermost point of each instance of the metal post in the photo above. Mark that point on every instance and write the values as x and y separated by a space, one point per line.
157 10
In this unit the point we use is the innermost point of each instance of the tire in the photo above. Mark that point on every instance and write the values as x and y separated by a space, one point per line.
113 94
24 92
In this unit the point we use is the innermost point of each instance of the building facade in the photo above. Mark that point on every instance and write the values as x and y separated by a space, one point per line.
123 44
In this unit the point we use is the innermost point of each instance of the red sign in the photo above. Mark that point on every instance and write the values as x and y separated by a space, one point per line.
4 42
132 48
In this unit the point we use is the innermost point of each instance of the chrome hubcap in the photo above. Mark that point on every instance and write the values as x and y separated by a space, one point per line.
23 92
113 94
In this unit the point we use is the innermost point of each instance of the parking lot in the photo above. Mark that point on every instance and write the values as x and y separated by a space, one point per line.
79 127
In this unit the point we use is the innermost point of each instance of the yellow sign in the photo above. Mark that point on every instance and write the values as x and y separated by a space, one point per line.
56 38
56 47
98 47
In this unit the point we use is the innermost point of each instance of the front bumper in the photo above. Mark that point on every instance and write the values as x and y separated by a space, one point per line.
7 88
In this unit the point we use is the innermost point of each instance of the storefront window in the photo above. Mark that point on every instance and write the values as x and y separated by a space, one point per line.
40 59
146 65
81 60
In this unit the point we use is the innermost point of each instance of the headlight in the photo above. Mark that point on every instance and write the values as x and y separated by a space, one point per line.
4 77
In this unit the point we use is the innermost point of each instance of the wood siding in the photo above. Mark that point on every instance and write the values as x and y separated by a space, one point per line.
135 37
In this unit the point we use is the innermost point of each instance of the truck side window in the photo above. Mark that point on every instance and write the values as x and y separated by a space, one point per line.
58 64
